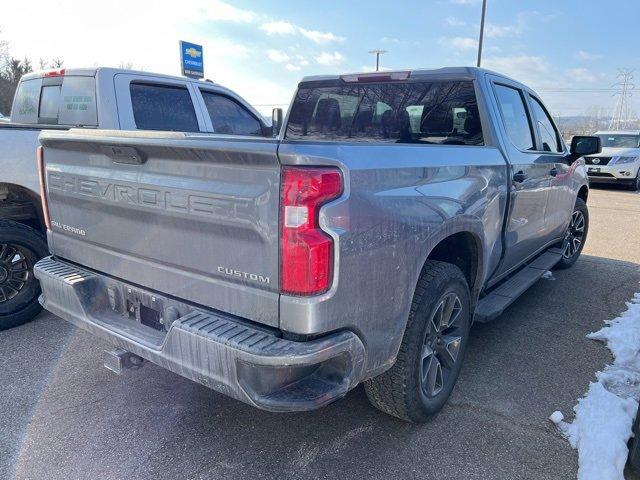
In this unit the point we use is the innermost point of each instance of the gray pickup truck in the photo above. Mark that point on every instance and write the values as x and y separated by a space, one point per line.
106 98
392 210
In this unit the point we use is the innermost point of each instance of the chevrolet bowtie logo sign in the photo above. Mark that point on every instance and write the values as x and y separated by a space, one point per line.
191 60
193 53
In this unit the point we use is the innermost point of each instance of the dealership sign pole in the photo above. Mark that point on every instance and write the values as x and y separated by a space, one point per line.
191 60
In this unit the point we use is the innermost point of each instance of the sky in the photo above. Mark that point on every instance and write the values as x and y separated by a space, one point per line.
568 50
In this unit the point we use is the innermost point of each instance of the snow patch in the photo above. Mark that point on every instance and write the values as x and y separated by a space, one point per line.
604 416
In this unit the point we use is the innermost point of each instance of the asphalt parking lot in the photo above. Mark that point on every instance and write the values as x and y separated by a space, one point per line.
63 416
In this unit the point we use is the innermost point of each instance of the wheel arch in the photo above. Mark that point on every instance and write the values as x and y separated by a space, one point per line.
462 247
21 205
583 193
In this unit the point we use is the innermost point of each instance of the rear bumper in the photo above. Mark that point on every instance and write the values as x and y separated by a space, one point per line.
239 359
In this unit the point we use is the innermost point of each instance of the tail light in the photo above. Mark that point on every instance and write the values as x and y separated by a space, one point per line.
43 187
306 252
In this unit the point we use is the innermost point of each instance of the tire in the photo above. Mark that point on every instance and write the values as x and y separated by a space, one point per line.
576 232
20 248
411 389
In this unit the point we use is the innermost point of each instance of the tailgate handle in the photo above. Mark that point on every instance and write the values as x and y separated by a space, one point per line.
128 155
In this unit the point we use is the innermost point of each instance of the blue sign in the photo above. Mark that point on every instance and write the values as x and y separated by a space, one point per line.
191 60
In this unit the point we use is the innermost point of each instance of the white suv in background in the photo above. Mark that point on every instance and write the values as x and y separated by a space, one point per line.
619 161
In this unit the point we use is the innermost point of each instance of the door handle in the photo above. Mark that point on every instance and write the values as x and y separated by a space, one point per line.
553 172
519 177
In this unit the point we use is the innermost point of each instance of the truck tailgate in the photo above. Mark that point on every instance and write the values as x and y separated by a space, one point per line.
190 216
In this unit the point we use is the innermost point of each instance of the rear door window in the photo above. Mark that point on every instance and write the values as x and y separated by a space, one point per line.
163 107
438 112
514 117
229 117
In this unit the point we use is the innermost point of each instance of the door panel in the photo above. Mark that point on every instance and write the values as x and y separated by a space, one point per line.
553 152
525 231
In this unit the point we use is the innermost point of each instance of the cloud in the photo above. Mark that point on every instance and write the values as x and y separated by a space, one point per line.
278 28
583 55
465 2
492 30
328 58
277 56
218 10
582 75
459 43
531 70
320 37
286 28
455 22
390 40
294 62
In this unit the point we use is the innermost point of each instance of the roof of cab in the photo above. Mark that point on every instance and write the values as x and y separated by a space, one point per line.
469 73
92 72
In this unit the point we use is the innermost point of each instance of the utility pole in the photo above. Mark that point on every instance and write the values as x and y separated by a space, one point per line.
620 114
378 53
484 11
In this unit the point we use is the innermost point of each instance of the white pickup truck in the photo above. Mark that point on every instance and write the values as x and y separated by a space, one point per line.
104 98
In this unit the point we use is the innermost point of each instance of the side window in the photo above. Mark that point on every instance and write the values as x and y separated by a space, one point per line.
25 103
514 116
227 116
548 133
163 107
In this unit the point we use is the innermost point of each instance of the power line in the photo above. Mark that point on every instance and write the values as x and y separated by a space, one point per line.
620 115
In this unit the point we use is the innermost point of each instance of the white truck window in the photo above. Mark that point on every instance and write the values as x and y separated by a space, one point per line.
50 102
25 104
163 107
78 102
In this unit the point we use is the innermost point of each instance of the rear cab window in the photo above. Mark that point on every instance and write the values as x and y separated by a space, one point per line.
163 107
57 100
422 112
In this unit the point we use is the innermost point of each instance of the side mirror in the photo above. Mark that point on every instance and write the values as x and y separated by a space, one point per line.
583 145
276 121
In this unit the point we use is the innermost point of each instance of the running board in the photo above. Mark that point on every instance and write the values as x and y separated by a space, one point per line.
492 305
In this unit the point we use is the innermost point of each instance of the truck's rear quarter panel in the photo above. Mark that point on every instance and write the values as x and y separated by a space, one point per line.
399 202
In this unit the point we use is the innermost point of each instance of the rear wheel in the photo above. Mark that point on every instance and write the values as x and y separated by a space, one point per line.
575 236
20 248
430 357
